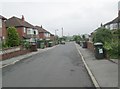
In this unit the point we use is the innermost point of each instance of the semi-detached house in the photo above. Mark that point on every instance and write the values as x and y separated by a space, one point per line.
24 29
114 24
43 34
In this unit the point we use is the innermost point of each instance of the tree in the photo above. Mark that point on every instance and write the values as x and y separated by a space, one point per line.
77 38
102 35
110 41
84 38
13 37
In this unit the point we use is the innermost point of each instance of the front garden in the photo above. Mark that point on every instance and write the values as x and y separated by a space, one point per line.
110 40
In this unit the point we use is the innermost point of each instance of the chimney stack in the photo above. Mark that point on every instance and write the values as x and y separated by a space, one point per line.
23 19
41 26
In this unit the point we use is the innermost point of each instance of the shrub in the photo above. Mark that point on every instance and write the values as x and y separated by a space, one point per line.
25 44
102 35
112 49
13 38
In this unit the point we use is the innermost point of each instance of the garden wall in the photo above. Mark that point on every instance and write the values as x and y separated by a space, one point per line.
12 52
90 46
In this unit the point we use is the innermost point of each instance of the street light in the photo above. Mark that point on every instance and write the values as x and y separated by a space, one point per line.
55 35
62 31
56 32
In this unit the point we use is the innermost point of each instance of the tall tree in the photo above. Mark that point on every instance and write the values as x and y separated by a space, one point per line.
13 37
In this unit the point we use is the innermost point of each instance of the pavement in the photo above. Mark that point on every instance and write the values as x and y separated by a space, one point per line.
18 58
104 71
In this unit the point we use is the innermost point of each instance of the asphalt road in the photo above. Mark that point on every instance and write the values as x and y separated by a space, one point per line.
58 67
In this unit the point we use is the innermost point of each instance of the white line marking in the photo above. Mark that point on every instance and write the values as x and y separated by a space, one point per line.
89 71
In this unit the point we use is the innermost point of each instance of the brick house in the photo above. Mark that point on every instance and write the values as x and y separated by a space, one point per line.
2 28
52 37
24 29
43 34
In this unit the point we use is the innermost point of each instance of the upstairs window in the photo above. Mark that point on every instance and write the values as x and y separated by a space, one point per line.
28 31
24 30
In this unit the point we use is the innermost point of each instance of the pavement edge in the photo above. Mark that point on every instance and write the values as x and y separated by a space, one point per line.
96 84
12 63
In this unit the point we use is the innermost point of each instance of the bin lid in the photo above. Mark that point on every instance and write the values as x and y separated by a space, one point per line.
98 43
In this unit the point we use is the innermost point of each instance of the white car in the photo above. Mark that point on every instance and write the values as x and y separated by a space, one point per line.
62 42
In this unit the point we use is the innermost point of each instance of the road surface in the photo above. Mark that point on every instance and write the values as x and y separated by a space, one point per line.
57 67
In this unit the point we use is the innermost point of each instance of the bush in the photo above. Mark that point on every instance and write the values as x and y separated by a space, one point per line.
25 44
4 45
13 38
112 49
102 35
110 41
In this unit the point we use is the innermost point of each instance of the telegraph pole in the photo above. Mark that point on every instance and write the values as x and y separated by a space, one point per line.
62 31
56 35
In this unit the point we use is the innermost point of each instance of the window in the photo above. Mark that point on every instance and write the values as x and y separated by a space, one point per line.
24 30
115 25
28 31
45 34
36 32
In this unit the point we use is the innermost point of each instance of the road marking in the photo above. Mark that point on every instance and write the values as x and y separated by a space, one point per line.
96 84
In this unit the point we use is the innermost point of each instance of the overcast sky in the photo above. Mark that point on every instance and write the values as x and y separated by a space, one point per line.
75 16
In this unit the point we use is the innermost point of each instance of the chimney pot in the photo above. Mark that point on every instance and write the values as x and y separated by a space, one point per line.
41 26
23 19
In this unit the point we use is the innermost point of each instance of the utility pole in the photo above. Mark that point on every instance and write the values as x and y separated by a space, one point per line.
55 35
62 31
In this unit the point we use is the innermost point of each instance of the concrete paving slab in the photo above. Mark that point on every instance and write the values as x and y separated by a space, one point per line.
105 71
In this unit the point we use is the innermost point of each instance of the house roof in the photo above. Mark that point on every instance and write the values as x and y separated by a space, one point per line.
52 34
116 20
108 23
40 29
3 18
17 22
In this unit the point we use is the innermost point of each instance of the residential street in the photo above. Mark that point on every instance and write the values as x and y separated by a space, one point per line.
57 67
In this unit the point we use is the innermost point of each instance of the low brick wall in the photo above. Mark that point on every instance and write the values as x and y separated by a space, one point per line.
90 46
13 54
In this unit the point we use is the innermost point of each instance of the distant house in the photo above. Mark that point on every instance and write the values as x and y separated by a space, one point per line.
43 34
52 37
3 33
24 29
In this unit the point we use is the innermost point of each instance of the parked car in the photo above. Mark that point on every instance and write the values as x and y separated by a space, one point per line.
62 42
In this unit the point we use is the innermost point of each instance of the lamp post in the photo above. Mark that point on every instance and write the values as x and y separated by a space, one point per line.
62 31
55 35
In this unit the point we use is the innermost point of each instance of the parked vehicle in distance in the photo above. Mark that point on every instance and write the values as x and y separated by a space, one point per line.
62 42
